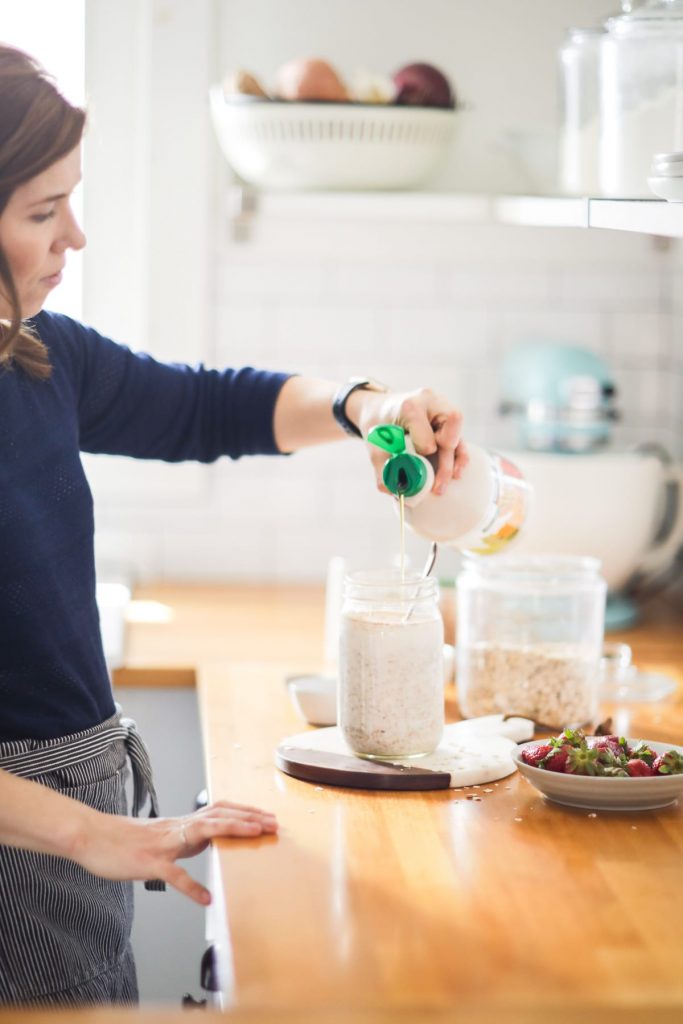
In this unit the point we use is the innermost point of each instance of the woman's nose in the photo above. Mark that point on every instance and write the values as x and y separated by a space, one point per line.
71 237
77 240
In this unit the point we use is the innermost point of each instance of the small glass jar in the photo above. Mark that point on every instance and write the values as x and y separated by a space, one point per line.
530 635
580 92
391 692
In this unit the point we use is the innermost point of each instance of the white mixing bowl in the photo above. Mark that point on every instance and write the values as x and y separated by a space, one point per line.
609 505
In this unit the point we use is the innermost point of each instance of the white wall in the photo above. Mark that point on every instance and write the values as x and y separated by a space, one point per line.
408 302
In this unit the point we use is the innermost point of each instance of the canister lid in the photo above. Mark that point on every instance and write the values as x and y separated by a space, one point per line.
655 14
667 165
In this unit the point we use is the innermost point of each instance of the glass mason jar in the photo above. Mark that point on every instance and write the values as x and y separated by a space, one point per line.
580 92
391 692
642 95
530 634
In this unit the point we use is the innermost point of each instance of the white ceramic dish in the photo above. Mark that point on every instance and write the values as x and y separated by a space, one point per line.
602 794
330 145
315 698
670 188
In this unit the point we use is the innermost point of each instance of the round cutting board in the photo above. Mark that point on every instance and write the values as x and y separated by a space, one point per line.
463 758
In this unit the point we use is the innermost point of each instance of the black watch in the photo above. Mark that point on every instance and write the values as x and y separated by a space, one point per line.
341 398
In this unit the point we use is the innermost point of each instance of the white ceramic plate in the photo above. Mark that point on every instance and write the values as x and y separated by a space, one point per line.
604 794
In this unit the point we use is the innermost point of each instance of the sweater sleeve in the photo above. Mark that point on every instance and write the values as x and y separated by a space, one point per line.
131 404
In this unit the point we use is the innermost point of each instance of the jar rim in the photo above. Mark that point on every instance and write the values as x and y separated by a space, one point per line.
369 582
534 566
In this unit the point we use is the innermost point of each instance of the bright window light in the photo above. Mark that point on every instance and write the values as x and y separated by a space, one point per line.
53 31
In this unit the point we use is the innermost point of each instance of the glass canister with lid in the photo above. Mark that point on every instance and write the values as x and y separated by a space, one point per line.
529 637
641 95
391 694
580 110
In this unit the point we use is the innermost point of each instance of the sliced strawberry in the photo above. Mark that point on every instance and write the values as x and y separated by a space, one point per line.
532 755
635 767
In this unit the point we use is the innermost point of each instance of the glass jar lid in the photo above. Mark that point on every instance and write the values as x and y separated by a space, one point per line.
534 571
656 15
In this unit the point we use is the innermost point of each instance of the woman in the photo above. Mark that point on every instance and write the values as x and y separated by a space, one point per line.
68 850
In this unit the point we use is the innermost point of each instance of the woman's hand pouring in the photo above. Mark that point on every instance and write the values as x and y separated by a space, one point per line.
433 422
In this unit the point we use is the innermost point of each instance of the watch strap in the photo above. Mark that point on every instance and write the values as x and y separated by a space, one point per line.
342 396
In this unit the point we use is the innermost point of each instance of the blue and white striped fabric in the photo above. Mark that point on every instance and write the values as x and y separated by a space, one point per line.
64 932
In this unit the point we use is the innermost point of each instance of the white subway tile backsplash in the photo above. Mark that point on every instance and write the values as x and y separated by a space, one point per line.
549 324
325 332
413 304
637 339
497 285
243 334
382 284
463 337
613 288
641 394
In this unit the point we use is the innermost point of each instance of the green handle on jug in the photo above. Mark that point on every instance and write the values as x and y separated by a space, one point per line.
404 473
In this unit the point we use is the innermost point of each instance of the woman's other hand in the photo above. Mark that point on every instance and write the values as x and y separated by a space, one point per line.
148 848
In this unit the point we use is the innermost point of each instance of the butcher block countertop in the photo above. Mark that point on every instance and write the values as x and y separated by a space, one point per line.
374 907
411 902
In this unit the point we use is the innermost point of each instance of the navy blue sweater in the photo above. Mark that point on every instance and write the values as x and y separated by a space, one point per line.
101 397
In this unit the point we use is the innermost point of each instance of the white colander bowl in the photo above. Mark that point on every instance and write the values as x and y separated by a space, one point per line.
290 145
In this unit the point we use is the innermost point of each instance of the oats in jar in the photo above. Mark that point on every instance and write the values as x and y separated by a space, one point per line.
549 683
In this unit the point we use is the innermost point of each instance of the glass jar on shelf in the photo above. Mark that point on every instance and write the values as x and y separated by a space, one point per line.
641 95
530 635
580 111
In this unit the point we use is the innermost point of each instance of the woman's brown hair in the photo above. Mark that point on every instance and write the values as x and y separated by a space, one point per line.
38 126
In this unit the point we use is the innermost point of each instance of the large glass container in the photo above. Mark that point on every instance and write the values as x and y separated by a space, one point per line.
642 95
580 93
391 694
530 634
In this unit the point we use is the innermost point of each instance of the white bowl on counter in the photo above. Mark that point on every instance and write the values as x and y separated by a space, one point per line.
605 794
314 697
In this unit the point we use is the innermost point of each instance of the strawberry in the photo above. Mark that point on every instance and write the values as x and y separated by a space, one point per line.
635 767
572 737
670 763
583 760
556 760
612 743
533 755
642 751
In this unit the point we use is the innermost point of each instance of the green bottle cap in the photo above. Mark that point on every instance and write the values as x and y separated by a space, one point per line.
405 474
388 436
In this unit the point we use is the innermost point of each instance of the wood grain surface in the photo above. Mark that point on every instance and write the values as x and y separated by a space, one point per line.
489 897
407 907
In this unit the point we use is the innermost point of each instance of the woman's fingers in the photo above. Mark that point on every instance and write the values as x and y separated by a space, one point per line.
434 426
194 834
221 809
180 879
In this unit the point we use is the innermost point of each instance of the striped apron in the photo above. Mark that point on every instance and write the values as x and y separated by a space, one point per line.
64 932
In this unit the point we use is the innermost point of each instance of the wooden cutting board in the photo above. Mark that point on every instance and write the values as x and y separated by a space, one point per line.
470 754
